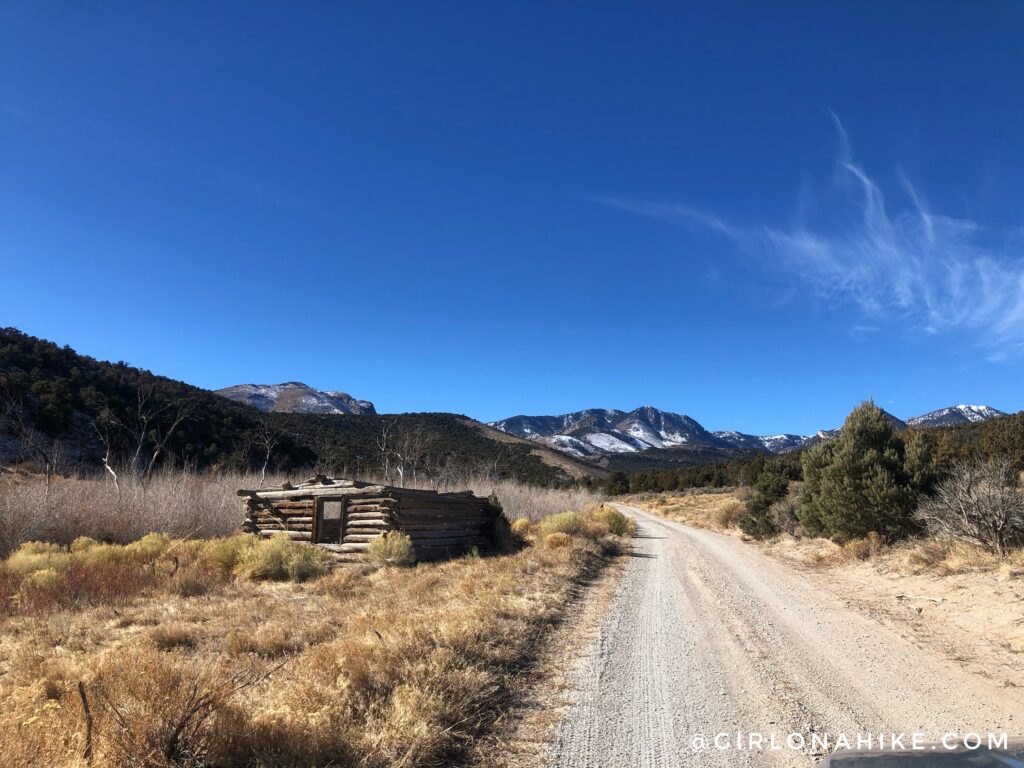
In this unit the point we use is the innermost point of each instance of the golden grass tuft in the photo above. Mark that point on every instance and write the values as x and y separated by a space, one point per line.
568 523
281 559
167 637
557 540
393 548
615 521
727 513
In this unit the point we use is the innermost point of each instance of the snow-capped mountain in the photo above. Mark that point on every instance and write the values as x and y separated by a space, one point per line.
769 443
956 414
295 397
598 432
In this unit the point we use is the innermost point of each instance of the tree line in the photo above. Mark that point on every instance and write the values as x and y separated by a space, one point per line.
66 411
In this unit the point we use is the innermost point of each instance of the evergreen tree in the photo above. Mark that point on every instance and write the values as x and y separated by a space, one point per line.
771 486
857 483
618 483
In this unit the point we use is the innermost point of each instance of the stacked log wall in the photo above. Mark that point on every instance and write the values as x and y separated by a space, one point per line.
269 517
440 525
366 518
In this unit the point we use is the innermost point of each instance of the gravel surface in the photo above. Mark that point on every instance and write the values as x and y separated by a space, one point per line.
708 636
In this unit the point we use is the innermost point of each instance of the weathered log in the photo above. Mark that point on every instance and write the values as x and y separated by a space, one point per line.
354 547
357 537
461 541
293 535
274 527
316 492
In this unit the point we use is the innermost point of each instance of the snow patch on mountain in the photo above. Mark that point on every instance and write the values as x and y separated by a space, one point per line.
955 414
600 431
295 397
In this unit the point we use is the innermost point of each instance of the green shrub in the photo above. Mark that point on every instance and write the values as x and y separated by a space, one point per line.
392 548
757 521
617 523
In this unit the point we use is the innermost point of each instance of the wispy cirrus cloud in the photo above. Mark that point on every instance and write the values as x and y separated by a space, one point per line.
939 272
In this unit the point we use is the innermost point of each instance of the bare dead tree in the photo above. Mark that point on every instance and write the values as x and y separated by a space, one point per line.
978 503
161 435
105 425
385 450
267 438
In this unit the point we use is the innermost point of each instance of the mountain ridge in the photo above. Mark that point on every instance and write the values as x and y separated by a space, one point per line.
598 433
295 397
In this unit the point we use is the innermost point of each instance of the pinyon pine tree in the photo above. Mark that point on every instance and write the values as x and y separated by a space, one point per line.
858 483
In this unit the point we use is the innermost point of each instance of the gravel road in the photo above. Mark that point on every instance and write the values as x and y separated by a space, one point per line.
707 635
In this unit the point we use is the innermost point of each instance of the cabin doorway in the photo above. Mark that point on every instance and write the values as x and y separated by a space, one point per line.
330 521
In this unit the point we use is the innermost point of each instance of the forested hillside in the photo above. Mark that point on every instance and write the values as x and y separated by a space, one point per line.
65 411
996 438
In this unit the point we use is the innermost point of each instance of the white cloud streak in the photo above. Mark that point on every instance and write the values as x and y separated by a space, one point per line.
938 272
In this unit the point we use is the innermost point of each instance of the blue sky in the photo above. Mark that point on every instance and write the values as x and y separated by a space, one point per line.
756 214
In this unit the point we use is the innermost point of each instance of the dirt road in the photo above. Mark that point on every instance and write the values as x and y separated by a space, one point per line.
708 636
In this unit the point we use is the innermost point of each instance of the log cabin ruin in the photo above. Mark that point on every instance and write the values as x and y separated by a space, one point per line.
344 516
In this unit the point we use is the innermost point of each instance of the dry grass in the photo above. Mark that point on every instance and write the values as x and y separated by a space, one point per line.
179 503
530 502
190 505
368 667
393 549
717 509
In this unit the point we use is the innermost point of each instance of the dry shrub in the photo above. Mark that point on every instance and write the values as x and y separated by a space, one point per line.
43 577
727 514
418 677
569 523
281 559
196 578
979 504
393 548
557 540
615 521
167 637
521 527
387 667
534 503
181 504
277 639
225 553
161 709
83 584
864 548
946 557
